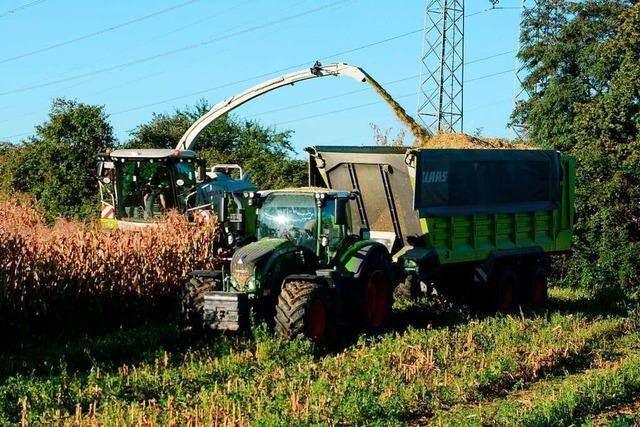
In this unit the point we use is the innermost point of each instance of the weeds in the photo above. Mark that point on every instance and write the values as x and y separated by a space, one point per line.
392 379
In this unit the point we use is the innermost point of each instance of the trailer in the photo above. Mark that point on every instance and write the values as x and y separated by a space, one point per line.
461 220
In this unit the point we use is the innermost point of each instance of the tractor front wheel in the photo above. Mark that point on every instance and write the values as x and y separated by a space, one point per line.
303 310
192 303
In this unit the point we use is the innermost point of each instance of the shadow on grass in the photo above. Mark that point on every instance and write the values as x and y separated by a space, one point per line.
147 342
109 350
440 312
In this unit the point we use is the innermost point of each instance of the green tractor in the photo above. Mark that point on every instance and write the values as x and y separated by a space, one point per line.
308 273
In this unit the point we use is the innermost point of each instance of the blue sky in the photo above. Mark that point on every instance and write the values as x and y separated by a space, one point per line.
180 55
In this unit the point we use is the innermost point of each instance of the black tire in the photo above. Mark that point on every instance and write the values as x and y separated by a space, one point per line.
192 303
504 289
375 294
303 310
535 285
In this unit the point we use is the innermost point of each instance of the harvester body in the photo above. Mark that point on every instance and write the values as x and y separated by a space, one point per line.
132 206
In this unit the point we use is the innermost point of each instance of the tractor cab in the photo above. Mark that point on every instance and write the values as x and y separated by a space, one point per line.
313 218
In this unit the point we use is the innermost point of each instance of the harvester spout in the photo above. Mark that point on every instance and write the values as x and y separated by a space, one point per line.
318 70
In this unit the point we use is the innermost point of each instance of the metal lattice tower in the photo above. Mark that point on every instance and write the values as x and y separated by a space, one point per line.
440 96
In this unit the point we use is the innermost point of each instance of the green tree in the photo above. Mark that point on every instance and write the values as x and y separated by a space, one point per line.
584 63
57 165
8 153
262 151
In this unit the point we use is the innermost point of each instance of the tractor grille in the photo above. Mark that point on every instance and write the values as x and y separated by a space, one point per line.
244 260
241 274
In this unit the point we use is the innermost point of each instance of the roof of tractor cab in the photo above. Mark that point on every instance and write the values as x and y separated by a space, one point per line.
306 190
152 153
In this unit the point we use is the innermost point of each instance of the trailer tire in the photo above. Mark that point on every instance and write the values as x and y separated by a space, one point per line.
303 310
192 302
536 285
505 289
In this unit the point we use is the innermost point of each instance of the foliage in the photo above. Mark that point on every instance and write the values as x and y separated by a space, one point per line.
8 153
584 63
57 165
383 137
413 376
264 152
63 274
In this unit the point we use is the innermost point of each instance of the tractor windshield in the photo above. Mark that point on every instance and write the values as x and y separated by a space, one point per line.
149 187
289 216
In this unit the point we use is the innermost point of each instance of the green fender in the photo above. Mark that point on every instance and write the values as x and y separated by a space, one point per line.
357 256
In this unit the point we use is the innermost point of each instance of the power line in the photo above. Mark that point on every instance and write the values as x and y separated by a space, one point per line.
353 92
19 8
171 52
327 113
201 20
355 107
490 75
99 32
267 74
380 100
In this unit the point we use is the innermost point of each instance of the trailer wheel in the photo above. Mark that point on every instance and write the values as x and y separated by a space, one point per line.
192 302
303 310
536 285
504 288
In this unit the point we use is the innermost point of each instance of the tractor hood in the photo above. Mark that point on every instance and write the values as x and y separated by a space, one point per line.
245 259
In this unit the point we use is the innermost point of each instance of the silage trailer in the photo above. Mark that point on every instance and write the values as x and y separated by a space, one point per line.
464 220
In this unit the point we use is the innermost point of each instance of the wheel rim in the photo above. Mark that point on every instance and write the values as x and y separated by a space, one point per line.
538 290
506 300
317 320
377 298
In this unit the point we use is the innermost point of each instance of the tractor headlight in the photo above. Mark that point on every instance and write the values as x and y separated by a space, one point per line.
251 284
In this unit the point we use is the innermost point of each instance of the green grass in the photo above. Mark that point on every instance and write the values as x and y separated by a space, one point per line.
572 362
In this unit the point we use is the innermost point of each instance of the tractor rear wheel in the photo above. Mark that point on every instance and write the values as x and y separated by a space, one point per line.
303 310
376 295
192 302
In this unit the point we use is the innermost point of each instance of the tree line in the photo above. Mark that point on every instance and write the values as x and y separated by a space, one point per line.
57 166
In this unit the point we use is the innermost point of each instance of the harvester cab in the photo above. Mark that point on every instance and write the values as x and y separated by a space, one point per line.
139 186
307 273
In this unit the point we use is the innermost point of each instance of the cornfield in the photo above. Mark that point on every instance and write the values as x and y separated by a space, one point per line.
70 273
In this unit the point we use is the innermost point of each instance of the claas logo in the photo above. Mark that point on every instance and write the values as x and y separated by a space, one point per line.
435 177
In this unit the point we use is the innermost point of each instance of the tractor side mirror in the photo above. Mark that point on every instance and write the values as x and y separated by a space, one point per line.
201 172
365 233
222 209
341 211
